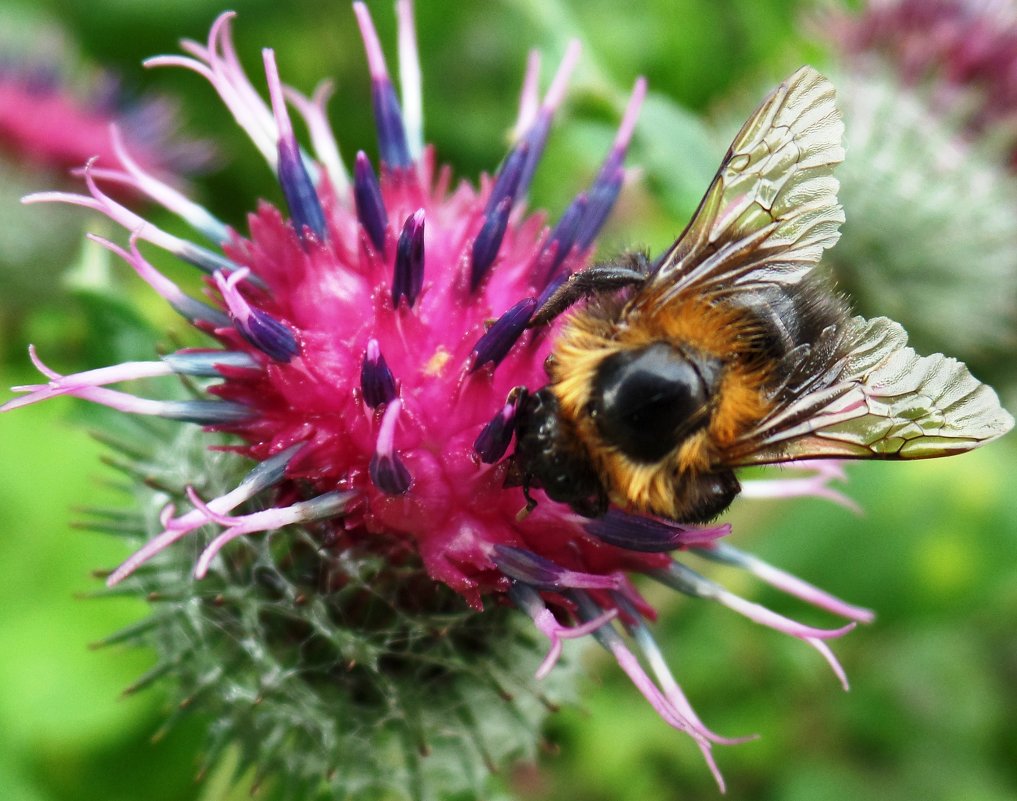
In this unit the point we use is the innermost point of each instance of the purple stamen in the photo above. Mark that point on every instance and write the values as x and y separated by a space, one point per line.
408 279
298 189
498 340
506 183
529 568
601 198
262 330
536 137
388 117
488 242
607 185
388 473
646 535
496 213
559 243
370 206
376 380
301 197
494 438
552 287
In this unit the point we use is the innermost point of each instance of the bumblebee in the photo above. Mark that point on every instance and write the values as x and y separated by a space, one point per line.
731 349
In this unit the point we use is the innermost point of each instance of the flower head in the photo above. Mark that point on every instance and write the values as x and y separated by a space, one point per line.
964 52
933 84
52 120
56 113
367 343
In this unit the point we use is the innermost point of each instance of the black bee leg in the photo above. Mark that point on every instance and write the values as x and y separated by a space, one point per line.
531 503
595 279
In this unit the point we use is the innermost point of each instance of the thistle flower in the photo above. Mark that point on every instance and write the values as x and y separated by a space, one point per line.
963 53
366 345
930 84
53 121
55 114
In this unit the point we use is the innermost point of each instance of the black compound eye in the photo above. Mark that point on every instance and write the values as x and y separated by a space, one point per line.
646 401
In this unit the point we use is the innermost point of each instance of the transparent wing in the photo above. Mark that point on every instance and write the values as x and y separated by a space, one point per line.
772 208
879 401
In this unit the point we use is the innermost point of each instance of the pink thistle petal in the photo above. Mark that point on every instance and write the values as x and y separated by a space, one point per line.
198 217
410 81
816 486
326 148
101 202
71 384
529 100
831 660
784 581
323 506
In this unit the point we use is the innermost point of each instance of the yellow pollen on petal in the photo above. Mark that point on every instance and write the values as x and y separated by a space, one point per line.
436 364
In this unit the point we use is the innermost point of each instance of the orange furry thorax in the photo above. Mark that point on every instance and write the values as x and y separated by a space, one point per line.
608 326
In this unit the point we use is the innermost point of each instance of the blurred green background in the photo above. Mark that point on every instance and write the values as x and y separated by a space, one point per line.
932 710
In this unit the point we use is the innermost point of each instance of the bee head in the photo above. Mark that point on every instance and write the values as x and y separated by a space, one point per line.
646 401
551 455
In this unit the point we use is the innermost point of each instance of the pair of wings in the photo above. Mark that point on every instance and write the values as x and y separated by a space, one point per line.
771 211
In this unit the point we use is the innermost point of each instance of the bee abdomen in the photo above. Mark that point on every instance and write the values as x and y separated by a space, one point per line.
785 318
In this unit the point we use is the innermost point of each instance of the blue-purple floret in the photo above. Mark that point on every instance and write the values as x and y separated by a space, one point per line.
503 196
370 206
636 533
376 381
601 198
388 117
498 340
495 436
563 237
530 568
298 189
195 312
268 335
408 278
389 474
533 143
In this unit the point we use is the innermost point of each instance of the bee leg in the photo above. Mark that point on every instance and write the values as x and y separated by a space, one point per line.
591 281
531 503
709 495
